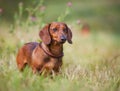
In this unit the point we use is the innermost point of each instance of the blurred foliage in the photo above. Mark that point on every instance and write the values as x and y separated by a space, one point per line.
101 15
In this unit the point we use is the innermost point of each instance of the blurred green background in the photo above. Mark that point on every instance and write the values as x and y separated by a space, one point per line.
103 15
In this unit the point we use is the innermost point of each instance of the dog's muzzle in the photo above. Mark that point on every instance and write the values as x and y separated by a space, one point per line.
63 38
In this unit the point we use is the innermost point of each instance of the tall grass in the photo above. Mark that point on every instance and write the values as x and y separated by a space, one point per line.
91 63
86 66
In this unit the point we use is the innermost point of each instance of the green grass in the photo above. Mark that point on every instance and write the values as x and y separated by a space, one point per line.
91 63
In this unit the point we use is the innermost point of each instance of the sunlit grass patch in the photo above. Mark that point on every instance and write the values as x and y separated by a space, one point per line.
90 63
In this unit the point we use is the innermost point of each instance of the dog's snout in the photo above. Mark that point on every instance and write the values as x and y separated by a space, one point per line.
63 38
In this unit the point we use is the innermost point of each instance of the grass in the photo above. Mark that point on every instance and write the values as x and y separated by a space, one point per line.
91 63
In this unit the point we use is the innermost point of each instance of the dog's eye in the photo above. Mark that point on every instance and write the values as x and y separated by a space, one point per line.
54 29
65 30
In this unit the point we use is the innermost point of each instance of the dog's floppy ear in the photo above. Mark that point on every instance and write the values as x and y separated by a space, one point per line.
45 35
69 35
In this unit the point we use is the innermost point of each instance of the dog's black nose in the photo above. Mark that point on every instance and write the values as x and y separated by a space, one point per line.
63 38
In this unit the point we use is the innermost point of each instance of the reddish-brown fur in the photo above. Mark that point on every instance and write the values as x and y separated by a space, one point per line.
53 37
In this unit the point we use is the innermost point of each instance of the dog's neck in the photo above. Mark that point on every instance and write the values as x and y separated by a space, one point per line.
54 48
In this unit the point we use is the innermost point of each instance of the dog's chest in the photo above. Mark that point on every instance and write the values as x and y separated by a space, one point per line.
50 63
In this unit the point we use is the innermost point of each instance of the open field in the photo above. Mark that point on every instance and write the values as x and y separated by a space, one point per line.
91 63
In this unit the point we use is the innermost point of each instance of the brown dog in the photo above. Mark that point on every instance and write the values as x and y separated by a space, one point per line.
47 55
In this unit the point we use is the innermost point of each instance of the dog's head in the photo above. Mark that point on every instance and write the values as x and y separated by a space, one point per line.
56 31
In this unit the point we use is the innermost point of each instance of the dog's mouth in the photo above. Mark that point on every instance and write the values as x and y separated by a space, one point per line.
62 41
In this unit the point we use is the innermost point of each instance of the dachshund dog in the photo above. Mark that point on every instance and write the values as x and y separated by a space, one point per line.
47 55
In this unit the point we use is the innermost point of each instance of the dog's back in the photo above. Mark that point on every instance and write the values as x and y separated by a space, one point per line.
24 54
